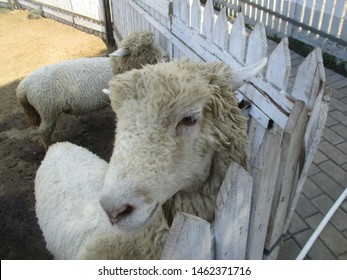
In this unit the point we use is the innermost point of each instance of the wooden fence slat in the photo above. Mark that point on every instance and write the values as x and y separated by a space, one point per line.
292 151
196 16
317 13
327 16
232 214
309 78
319 112
237 38
189 239
278 69
208 20
264 173
256 133
335 24
221 31
257 44
181 9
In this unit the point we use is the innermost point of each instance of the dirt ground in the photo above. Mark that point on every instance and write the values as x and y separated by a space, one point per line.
26 45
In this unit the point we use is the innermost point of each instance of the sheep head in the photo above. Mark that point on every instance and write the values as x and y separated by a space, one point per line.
172 120
136 50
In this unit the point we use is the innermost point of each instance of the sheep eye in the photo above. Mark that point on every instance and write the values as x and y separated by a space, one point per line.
188 121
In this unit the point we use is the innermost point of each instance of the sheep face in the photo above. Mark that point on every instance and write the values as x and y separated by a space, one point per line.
136 50
169 119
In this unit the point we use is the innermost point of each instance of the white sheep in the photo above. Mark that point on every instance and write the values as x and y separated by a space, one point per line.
178 130
75 86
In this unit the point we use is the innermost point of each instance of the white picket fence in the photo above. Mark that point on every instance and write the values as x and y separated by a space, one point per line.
320 23
253 210
85 15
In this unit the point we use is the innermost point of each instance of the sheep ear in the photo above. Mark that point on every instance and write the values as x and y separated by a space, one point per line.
120 52
106 91
244 74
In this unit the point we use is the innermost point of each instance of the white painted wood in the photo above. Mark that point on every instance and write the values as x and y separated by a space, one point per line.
181 9
327 16
322 106
189 239
237 38
208 20
292 153
264 173
279 65
221 31
257 44
196 16
338 12
256 133
309 77
232 214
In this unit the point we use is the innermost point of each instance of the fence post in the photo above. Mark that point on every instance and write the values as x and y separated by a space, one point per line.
108 23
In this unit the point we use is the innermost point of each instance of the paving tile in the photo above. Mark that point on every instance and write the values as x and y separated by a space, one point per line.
331 121
289 250
343 256
319 157
324 204
338 94
340 83
318 250
310 189
344 233
344 166
305 207
340 129
335 172
297 224
339 116
331 237
327 184
332 152
344 100
344 205
333 79
314 169
343 147
337 104
331 136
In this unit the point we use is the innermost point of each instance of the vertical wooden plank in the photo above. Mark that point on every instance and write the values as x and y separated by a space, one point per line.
316 123
292 150
256 133
237 38
184 10
189 239
221 31
277 21
257 44
278 69
317 13
327 16
233 206
309 77
196 16
208 21
337 17
264 173
291 14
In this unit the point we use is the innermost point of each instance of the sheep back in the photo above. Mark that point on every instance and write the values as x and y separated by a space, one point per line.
67 187
73 86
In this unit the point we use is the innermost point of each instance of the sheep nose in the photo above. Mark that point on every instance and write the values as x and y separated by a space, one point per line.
116 214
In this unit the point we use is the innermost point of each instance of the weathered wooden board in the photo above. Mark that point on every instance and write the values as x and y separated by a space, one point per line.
232 214
264 173
292 150
189 239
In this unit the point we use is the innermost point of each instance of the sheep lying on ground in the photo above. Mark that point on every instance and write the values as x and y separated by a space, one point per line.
178 129
75 86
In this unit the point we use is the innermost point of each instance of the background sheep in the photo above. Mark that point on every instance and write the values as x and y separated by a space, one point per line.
75 86
178 129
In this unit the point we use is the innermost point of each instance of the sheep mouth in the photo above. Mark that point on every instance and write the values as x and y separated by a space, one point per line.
128 227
